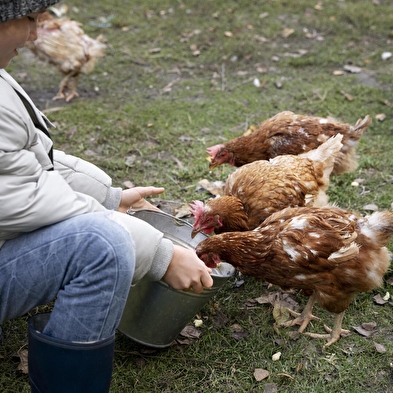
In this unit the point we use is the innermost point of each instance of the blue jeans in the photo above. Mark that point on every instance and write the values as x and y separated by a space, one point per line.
86 263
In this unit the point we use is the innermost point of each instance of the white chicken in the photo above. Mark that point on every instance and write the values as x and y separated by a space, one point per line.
63 43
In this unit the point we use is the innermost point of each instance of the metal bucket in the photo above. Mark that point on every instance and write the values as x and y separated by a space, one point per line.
155 313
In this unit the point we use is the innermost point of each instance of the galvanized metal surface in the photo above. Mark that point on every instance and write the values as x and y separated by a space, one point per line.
155 313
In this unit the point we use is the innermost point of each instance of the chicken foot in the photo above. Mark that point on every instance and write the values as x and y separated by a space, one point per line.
304 318
65 84
333 334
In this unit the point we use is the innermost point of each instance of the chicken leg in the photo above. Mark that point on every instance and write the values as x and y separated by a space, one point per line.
304 318
69 84
333 334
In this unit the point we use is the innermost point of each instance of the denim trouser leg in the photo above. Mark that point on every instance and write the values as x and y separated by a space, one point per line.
87 262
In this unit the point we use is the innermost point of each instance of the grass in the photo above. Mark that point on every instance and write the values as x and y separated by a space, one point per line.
153 102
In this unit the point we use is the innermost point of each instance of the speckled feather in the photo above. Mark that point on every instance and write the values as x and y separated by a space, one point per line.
328 251
256 190
290 133
63 43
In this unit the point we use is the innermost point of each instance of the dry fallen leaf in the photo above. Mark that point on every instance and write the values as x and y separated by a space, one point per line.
379 347
319 6
378 299
380 116
287 32
346 95
182 211
215 187
128 184
239 335
280 313
260 374
22 366
366 329
370 326
190 332
352 69
270 388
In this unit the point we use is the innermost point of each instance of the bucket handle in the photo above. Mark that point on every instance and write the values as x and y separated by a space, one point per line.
178 221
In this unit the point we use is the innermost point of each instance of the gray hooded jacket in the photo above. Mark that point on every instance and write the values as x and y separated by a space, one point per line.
35 193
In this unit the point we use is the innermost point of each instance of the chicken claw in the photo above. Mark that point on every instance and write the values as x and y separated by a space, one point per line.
304 318
333 334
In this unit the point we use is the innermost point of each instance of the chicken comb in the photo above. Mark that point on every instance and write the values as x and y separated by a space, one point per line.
196 210
213 150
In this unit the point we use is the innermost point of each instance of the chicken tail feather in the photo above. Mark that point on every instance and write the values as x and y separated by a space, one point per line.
361 125
326 153
378 227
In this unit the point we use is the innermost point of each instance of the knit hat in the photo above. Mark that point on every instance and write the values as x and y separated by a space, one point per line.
13 9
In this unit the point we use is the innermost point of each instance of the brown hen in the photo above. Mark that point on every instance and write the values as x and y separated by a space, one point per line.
289 133
256 190
329 253
63 43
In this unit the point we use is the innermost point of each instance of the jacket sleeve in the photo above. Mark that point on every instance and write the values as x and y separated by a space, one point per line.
31 197
88 179
153 252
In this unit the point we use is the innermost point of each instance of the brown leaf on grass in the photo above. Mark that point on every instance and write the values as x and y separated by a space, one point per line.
239 335
264 299
260 38
369 325
378 299
215 187
346 95
219 318
128 184
184 341
352 69
270 388
287 32
379 347
190 332
260 374
280 313
279 300
235 328
367 329
22 366
182 211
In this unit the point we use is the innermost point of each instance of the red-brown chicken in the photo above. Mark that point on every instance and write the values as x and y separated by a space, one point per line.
256 190
329 253
63 43
289 133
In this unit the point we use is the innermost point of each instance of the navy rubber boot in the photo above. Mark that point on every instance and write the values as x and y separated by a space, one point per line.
58 366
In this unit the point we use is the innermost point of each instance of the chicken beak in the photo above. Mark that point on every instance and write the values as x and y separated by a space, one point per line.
194 233
212 165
